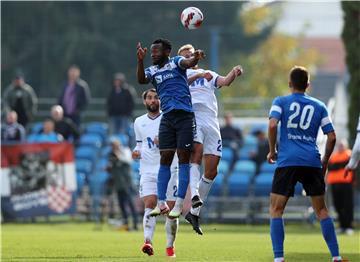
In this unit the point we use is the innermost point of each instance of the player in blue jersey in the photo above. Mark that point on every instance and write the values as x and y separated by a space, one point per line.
298 158
177 126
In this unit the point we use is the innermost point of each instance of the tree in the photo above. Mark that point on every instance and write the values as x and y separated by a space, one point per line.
351 39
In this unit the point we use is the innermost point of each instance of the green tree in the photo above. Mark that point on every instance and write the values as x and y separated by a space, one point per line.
351 39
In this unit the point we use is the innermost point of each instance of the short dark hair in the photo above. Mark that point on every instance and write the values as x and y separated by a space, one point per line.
164 42
299 77
147 91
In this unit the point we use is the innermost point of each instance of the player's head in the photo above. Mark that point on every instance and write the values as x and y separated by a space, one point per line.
151 100
186 50
160 51
299 78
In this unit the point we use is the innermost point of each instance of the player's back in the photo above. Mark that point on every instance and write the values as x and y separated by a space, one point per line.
301 116
170 82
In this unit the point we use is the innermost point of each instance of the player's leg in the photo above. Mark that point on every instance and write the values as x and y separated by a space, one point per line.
167 146
277 233
171 225
195 163
327 226
185 130
314 186
147 192
283 187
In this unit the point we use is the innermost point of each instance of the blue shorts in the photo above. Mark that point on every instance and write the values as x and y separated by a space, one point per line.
177 130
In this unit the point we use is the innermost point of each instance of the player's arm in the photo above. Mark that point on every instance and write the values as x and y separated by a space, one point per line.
230 77
136 153
355 156
140 70
272 135
329 148
207 75
186 63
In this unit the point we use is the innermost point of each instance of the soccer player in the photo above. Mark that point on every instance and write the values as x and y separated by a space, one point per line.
177 125
298 158
147 150
207 141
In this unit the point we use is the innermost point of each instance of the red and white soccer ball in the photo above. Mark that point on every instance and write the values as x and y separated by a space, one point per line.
192 17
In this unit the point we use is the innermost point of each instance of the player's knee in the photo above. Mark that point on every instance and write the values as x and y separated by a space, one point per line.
211 174
151 203
322 213
166 157
276 211
184 156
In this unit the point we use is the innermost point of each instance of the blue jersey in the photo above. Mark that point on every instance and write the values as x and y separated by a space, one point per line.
301 116
171 85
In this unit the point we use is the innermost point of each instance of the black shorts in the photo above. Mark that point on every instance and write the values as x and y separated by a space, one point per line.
285 179
177 129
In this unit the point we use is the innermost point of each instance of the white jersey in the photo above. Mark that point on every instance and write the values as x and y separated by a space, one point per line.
203 92
146 129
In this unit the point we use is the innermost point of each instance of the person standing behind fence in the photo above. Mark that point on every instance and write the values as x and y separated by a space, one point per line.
75 95
20 97
342 187
120 104
119 167
12 131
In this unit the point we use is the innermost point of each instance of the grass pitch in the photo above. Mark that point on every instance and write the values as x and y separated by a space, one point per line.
80 242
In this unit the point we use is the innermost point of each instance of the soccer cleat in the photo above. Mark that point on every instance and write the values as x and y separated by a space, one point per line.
196 202
170 252
147 248
160 209
174 213
194 221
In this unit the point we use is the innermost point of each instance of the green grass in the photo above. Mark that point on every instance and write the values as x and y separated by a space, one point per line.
80 242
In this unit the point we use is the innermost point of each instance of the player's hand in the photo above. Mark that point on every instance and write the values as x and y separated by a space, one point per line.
141 52
136 154
207 75
156 140
238 70
271 157
199 54
347 170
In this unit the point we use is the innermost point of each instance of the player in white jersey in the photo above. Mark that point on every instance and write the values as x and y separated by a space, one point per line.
355 155
207 141
147 151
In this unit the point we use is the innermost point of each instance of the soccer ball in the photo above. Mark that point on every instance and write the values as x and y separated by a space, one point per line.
191 18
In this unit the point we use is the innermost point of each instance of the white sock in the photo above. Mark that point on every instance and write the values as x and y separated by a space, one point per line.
179 203
279 259
337 258
204 189
194 179
149 225
171 228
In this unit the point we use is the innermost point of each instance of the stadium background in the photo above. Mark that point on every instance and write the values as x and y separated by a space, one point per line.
42 39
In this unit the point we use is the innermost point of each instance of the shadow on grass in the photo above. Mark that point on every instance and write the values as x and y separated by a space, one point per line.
319 257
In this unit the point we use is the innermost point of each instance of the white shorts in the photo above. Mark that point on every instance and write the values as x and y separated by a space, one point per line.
148 185
208 134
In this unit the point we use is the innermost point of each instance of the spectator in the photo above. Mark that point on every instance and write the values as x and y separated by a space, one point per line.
120 104
47 135
119 167
342 187
260 156
12 131
231 136
63 125
21 98
75 95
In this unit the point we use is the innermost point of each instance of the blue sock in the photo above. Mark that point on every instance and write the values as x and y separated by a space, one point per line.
163 180
184 177
328 231
277 236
